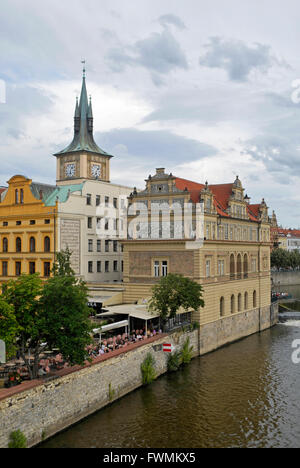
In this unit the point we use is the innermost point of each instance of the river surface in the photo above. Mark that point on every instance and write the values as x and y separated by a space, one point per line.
244 395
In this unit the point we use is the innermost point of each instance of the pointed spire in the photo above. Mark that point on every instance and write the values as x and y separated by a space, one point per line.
83 124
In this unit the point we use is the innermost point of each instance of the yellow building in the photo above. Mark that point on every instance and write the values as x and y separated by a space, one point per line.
27 229
232 262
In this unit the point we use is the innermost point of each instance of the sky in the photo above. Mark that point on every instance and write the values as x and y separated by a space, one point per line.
208 90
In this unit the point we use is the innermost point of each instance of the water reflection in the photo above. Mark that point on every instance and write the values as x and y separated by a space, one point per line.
243 395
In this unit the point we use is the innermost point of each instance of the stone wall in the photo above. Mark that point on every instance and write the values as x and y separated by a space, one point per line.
285 278
232 328
42 411
46 409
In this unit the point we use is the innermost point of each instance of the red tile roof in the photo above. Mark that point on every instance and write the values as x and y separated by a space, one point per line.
221 192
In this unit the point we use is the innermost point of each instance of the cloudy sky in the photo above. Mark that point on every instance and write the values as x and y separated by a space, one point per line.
208 90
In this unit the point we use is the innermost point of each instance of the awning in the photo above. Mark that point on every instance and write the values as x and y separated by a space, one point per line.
134 310
106 297
112 326
138 311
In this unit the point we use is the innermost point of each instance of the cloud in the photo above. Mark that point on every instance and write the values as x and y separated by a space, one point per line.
153 146
174 20
237 58
159 53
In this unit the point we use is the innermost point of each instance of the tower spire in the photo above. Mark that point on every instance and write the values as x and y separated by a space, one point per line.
83 139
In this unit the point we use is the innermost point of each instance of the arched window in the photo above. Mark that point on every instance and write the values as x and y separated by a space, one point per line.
239 266
254 299
18 244
232 267
16 196
47 244
245 266
21 196
32 244
5 245
232 304
246 301
222 307
239 302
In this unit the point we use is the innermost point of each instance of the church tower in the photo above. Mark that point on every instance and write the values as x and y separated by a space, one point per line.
82 159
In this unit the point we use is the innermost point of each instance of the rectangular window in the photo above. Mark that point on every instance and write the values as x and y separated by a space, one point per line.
90 245
207 231
107 246
98 267
18 268
226 231
106 226
164 268
4 269
122 266
115 265
115 203
156 269
47 221
90 267
254 266
31 268
89 199
47 269
207 265
90 223
98 245
106 201
106 267
32 222
115 246
18 223
221 267
5 223
98 200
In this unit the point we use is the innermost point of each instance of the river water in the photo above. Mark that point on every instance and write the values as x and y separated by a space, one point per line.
243 395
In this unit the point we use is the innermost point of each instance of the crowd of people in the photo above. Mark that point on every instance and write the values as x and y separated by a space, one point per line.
120 341
17 372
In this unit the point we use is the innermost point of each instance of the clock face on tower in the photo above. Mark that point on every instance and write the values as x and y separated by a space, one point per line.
96 170
70 170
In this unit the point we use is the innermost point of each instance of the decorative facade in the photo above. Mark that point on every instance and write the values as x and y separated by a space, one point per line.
27 229
233 260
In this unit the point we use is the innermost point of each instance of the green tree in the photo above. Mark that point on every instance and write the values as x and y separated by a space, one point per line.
62 265
173 292
66 317
23 295
8 327
53 315
66 313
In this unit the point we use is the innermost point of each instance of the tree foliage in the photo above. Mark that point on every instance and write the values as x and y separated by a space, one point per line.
281 258
23 295
66 320
173 292
52 315
8 327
